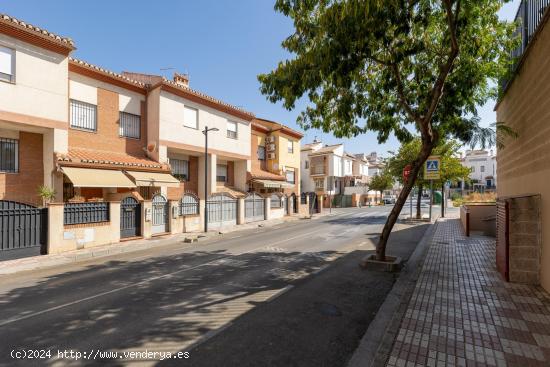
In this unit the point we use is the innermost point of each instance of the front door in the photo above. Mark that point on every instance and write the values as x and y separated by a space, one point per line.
160 214
130 218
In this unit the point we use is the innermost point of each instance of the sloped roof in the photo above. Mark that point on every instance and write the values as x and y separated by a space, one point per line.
261 174
29 29
105 159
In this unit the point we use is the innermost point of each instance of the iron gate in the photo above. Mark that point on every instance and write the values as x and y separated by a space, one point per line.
23 230
254 207
222 210
160 214
313 204
130 218
286 203
294 201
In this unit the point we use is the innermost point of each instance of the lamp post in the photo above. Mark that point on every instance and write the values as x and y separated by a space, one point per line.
205 132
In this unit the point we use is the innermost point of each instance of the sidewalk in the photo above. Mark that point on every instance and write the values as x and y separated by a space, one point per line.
185 239
462 313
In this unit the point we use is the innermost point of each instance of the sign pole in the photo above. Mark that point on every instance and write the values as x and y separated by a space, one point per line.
411 202
431 197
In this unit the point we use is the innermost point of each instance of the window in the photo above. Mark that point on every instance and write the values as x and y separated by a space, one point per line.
191 117
473 168
482 169
180 169
290 146
83 115
261 153
7 64
221 173
320 184
9 155
232 129
290 176
129 125
306 164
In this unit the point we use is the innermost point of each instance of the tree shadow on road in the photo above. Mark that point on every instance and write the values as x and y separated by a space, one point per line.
163 303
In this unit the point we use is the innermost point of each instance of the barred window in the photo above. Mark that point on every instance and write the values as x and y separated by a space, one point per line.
276 201
129 125
221 173
180 169
232 129
9 155
83 115
290 146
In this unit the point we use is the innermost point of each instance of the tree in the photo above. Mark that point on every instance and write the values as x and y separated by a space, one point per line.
393 67
381 182
493 135
451 168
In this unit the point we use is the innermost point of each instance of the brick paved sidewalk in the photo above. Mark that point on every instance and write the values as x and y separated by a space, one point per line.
462 314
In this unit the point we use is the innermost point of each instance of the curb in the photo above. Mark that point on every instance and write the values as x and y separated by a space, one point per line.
375 346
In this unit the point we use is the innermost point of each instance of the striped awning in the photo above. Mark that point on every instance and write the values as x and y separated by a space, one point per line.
271 184
153 179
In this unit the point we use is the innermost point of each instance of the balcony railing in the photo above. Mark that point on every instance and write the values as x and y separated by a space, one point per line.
528 18
318 169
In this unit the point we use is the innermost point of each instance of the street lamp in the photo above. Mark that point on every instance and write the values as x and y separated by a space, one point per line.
205 132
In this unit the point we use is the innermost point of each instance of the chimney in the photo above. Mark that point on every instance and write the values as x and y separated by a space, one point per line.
181 79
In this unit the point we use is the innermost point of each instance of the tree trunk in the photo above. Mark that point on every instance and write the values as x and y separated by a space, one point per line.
403 195
419 202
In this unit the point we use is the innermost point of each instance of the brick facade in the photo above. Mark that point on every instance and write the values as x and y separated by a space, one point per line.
524 164
107 135
23 186
191 185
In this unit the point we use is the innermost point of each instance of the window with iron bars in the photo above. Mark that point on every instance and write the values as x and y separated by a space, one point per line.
129 125
275 201
9 155
180 169
83 115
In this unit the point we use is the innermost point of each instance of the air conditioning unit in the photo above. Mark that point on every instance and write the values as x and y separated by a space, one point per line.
270 155
270 147
270 139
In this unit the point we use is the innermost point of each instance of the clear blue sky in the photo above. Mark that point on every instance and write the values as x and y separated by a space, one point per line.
222 44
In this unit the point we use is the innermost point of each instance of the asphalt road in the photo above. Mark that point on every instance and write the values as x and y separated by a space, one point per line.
182 298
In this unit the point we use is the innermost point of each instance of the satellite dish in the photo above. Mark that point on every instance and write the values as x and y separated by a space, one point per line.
151 147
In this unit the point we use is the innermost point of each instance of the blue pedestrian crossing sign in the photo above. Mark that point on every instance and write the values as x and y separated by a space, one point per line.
432 168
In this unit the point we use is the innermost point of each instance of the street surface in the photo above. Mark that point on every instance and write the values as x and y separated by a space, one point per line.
265 296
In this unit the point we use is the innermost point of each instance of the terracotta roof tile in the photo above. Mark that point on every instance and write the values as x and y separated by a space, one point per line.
105 158
231 191
39 31
261 174
105 71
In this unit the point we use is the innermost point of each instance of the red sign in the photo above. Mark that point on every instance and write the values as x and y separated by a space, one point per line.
406 172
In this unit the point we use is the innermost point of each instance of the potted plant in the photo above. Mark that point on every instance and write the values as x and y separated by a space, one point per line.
47 194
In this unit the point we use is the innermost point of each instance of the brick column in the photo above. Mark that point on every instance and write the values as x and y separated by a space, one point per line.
146 218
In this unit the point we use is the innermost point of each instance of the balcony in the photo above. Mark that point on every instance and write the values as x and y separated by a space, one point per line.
317 170
528 18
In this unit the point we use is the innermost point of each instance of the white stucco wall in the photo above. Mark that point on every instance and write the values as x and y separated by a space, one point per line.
40 87
306 182
171 116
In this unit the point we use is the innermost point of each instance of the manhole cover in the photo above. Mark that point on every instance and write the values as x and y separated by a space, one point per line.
328 309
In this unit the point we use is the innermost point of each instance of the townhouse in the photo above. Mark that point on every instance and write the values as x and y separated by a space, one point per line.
523 170
334 177
483 169
122 156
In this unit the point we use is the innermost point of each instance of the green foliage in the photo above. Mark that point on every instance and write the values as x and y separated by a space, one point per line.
381 182
384 65
494 135
46 193
451 167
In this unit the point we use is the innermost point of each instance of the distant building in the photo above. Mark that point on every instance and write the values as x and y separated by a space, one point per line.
483 168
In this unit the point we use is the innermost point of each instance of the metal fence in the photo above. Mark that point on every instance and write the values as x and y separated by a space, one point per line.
528 18
189 205
82 213
275 201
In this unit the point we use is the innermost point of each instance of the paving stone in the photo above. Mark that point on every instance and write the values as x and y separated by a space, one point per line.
463 314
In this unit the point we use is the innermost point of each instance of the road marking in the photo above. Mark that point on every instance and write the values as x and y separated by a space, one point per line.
280 293
115 290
